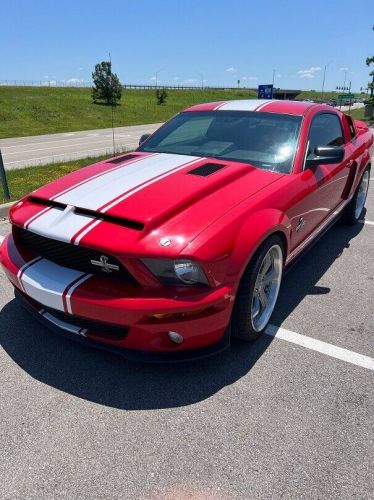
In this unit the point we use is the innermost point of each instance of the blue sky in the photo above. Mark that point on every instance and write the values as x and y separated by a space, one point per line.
185 41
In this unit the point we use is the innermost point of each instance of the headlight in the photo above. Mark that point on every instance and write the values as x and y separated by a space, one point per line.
176 272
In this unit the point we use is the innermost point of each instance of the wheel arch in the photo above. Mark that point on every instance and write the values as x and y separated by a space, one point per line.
252 235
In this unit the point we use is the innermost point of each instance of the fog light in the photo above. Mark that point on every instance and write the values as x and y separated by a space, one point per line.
175 337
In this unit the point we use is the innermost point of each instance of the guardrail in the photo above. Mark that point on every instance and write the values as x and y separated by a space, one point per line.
83 84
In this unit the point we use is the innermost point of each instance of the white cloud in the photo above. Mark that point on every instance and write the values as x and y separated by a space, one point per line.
74 80
51 82
190 80
343 68
176 78
46 76
153 79
278 75
245 78
308 73
231 70
80 69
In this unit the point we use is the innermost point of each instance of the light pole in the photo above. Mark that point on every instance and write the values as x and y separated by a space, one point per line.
323 81
202 79
345 77
272 92
156 74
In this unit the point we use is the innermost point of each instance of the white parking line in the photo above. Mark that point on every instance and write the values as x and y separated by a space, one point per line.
369 222
320 346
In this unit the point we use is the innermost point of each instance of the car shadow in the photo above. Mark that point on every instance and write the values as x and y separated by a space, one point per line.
108 379
302 278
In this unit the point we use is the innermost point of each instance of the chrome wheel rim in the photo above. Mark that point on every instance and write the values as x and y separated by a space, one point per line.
266 289
362 193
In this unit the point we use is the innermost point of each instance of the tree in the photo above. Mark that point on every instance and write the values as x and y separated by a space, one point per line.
161 96
369 62
107 86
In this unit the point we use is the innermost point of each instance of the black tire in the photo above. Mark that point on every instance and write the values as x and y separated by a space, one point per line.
350 217
241 322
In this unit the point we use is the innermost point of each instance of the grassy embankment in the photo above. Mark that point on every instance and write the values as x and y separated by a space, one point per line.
46 110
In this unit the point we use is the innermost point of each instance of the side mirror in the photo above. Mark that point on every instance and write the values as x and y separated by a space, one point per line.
325 155
143 138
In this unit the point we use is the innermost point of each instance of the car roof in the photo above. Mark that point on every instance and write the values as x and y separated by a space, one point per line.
265 105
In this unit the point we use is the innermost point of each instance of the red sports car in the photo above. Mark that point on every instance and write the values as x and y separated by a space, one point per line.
167 252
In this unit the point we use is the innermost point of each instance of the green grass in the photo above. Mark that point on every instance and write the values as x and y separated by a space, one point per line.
24 180
359 114
316 95
46 110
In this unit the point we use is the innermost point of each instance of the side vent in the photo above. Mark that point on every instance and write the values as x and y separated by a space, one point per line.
120 159
206 169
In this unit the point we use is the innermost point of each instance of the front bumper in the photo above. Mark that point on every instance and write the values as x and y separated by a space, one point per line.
50 291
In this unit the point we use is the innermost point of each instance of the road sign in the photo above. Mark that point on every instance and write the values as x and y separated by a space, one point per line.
346 96
265 92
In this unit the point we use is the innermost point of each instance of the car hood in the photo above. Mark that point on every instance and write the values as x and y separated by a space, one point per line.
152 195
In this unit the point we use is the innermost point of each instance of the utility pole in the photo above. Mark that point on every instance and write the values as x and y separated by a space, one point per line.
345 78
156 74
114 148
323 81
201 78
272 91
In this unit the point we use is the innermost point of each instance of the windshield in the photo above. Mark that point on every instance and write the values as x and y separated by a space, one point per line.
265 140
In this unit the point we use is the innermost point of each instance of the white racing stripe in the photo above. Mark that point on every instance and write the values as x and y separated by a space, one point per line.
46 282
320 346
59 225
99 174
102 192
97 192
146 184
71 290
243 105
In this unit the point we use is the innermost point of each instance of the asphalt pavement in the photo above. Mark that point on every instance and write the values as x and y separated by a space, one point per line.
42 149
275 419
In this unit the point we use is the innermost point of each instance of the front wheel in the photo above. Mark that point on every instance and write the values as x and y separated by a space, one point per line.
258 291
355 207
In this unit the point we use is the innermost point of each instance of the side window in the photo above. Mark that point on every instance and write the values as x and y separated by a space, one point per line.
325 130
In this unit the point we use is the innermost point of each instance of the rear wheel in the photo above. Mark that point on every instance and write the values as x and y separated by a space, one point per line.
258 291
355 207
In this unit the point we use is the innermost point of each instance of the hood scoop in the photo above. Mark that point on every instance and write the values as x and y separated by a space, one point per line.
120 221
206 169
120 159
